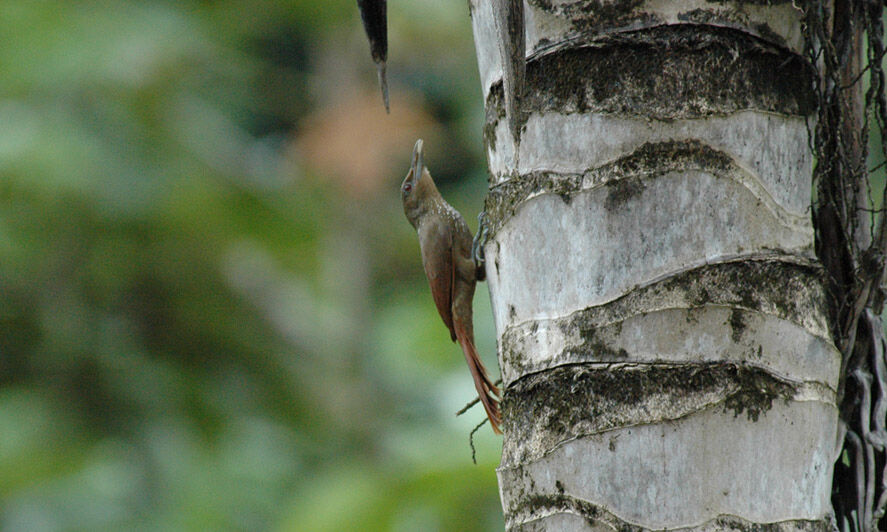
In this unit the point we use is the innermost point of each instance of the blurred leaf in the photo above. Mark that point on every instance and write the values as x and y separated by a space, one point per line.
213 314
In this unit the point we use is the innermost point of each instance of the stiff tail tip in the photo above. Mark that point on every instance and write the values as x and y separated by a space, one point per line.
486 390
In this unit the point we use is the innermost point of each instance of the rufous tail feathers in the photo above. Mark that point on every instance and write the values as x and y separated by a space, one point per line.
486 390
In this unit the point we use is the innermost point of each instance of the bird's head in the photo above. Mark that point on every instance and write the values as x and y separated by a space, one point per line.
417 188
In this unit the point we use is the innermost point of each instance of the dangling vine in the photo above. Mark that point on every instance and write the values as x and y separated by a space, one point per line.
845 44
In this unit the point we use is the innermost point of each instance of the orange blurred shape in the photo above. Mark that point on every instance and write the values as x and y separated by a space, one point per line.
355 143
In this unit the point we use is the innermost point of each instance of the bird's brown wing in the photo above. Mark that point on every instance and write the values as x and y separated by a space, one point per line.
437 258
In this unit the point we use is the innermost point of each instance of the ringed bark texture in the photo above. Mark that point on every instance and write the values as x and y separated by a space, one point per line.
660 312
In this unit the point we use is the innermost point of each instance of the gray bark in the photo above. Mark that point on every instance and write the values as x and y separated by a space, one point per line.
660 313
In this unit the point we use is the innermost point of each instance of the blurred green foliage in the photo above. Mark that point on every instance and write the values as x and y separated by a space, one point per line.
203 326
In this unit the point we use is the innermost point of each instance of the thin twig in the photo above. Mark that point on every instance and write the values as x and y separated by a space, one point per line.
474 401
471 440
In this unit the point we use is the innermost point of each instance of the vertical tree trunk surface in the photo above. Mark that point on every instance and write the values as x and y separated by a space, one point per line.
660 313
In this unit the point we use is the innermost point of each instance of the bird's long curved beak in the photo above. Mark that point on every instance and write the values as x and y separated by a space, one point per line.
417 165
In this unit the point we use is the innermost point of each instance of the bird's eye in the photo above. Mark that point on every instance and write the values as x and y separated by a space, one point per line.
407 187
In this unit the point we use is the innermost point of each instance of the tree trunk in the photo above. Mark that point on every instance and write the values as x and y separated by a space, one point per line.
661 317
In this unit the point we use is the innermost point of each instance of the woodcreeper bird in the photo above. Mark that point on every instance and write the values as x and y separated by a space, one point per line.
446 243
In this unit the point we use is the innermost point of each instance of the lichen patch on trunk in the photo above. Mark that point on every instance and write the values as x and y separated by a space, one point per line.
666 73
735 311
544 409
698 472
624 177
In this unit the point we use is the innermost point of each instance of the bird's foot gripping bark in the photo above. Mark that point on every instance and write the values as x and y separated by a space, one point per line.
477 246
